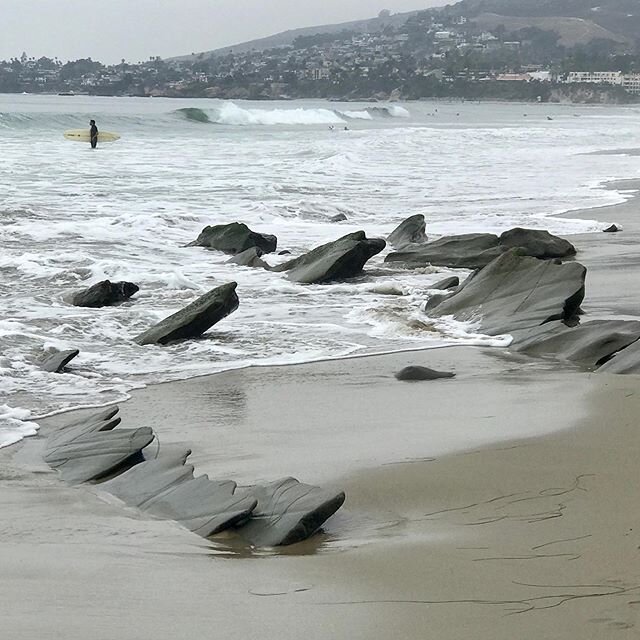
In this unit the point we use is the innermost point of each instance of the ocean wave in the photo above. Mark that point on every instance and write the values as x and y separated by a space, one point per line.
231 114
194 114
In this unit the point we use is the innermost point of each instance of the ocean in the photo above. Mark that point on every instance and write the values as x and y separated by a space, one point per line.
70 217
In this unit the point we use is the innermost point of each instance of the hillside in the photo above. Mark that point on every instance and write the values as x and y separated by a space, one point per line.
284 38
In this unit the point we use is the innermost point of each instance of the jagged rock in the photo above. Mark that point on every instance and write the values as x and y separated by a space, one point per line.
422 373
249 258
234 238
590 344
467 251
446 283
538 244
93 456
288 512
342 258
614 228
518 292
411 231
477 250
339 217
202 505
56 362
625 361
104 293
195 318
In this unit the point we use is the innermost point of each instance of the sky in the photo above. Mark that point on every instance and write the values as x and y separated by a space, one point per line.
109 30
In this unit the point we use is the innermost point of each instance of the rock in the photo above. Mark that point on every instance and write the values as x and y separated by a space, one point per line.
411 231
249 258
518 292
289 512
422 373
104 293
97 416
467 251
339 217
538 244
477 250
67 435
625 361
614 228
284 252
446 283
93 456
234 238
342 258
166 488
202 506
56 362
590 344
195 318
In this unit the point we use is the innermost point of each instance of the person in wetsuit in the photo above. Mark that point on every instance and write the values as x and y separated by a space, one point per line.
93 134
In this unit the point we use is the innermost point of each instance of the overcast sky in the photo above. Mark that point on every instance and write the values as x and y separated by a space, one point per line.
108 30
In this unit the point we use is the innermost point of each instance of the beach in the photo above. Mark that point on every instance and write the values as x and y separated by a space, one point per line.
499 504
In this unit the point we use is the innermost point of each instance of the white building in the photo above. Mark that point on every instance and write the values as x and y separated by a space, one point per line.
595 77
631 83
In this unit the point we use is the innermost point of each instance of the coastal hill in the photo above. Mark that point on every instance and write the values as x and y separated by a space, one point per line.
575 21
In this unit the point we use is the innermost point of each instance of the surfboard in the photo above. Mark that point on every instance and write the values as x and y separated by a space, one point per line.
82 135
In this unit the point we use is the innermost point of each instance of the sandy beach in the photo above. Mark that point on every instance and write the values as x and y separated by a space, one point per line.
526 528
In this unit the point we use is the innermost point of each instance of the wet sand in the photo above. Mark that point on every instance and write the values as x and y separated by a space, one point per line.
529 532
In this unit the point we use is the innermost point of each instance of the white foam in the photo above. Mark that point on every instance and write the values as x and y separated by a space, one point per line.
232 114
15 425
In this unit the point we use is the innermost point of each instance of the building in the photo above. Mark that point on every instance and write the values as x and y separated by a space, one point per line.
631 83
595 77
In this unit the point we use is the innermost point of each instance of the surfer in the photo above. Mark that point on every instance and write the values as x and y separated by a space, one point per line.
93 134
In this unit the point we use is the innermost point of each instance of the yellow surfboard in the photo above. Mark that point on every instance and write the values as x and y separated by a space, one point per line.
82 135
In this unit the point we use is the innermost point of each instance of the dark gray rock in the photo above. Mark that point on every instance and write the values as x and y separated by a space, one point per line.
411 231
56 362
202 505
234 238
195 318
625 361
93 456
468 251
249 258
289 512
339 217
342 258
538 244
422 373
590 344
284 252
446 283
104 293
477 250
518 292
614 228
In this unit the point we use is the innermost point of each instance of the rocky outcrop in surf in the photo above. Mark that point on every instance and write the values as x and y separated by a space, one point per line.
477 250
58 361
104 294
409 232
249 258
234 238
194 319
337 260
91 449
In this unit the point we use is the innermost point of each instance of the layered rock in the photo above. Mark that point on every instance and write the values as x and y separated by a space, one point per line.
518 292
337 260
195 318
477 250
104 293
410 231
56 362
234 238
446 283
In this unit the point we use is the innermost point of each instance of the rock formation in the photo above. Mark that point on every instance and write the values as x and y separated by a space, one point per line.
234 238
104 293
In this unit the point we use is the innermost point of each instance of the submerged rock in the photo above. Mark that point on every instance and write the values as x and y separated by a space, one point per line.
339 217
195 318
477 250
56 362
234 238
288 512
446 283
104 293
518 292
249 258
614 228
422 373
411 231
342 258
